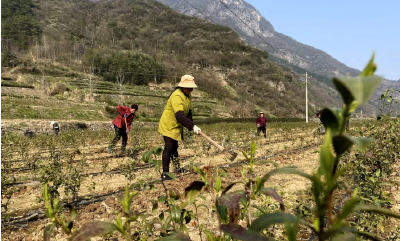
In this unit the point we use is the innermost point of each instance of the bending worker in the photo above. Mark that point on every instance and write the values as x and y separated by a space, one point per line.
122 126
176 115
261 124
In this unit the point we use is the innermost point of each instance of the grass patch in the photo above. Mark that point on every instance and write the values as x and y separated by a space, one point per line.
19 96
8 83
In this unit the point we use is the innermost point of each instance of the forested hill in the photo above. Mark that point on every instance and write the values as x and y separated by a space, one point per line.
144 41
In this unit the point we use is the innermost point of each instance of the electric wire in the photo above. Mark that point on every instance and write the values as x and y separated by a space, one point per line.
248 26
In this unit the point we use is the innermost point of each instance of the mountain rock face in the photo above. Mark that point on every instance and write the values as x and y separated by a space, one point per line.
262 34
257 31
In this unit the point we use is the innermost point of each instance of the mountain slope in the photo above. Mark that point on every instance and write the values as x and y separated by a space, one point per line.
82 35
282 49
278 44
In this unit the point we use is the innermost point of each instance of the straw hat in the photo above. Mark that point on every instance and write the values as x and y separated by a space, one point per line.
187 81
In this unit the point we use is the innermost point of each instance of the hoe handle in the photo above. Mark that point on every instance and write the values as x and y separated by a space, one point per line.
210 140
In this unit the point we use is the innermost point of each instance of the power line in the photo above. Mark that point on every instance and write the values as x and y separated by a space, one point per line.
247 25
201 12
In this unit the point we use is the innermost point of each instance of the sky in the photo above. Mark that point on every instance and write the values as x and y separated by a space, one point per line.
347 30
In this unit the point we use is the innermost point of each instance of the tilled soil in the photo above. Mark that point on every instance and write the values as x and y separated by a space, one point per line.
105 210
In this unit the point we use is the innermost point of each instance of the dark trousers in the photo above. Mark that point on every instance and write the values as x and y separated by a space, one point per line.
120 132
263 129
170 151
56 131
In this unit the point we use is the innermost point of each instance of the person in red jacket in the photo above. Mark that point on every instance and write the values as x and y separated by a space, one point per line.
261 124
122 125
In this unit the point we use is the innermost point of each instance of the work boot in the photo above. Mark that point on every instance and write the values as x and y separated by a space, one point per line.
165 177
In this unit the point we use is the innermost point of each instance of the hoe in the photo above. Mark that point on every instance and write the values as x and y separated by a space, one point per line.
231 155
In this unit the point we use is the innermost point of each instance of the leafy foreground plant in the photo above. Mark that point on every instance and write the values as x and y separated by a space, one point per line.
325 181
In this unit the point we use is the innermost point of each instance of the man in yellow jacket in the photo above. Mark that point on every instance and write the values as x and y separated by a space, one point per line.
176 115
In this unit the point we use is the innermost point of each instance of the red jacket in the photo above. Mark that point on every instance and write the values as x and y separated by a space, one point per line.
262 121
120 120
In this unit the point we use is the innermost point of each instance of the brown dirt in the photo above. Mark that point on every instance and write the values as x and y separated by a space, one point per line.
26 198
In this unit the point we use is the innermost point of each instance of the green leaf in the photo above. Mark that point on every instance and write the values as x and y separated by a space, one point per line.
157 151
272 193
93 229
331 118
167 221
48 231
222 212
253 148
376 209
344 237
218 184
210 236
157 163
227 188
176 213
146 156
341 144
291 230
162 199
370 68
72 212
193 190
361 143
243 234
171 175
347 208
174 193
266 220
231 201
326 157
199 171
175 237
356 89
245 155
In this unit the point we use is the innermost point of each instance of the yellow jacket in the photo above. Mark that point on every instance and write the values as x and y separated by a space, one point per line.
168 125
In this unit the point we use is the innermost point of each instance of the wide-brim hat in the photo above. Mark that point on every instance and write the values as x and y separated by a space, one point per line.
187 81
261 112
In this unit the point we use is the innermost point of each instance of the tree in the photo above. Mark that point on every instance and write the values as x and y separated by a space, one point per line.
18 24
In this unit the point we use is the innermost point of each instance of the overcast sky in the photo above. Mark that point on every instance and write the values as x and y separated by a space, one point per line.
347 30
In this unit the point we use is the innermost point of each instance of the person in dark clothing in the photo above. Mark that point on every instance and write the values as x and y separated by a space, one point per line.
321 128
122 126
176 115
56 127
261 124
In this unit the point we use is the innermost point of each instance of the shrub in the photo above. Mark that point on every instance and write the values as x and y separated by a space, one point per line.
59 89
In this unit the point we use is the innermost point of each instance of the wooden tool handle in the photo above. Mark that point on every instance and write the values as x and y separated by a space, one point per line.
210 140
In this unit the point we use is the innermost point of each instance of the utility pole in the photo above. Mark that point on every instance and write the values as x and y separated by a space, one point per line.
306 100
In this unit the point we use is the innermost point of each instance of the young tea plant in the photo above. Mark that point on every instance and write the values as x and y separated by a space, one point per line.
325 181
